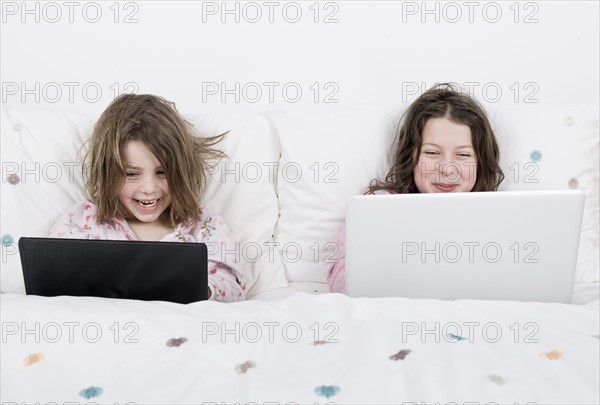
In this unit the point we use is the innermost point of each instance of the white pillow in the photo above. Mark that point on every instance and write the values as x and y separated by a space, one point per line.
41 178
241 188
554 148
328 153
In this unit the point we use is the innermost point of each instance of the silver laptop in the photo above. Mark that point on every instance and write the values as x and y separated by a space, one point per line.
512 245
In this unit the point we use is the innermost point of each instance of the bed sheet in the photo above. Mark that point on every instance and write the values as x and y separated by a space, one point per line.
306 348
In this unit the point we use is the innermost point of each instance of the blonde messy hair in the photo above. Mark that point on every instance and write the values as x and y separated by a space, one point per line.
155 122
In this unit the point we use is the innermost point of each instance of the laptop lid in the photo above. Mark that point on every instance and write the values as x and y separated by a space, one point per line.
140 270
515 245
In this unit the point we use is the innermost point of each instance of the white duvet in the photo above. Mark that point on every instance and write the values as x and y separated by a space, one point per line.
304 349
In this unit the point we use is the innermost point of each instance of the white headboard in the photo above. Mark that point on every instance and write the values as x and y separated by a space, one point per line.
215 55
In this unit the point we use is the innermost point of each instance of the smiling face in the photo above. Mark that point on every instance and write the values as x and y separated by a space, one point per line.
447 161
145 193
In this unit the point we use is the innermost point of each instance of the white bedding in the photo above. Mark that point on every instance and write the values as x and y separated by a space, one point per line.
368 351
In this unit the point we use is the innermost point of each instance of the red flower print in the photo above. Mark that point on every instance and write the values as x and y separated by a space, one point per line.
213 271
87 207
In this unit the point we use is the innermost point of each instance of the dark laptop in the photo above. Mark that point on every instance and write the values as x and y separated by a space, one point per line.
138 270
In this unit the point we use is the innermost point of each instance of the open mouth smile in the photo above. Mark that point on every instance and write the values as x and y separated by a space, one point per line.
148 203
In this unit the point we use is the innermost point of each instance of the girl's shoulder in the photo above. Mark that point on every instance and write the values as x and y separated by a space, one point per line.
78 221
212 217
82 208
209 221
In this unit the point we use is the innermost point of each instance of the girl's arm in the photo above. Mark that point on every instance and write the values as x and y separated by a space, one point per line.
226 281
336 277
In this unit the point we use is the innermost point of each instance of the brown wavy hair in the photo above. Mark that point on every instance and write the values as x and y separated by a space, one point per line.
181 151
444 100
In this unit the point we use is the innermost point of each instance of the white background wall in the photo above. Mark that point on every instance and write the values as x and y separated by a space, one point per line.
62 54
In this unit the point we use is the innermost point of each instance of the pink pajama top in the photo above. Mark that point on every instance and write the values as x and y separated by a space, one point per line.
336 276
225 278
